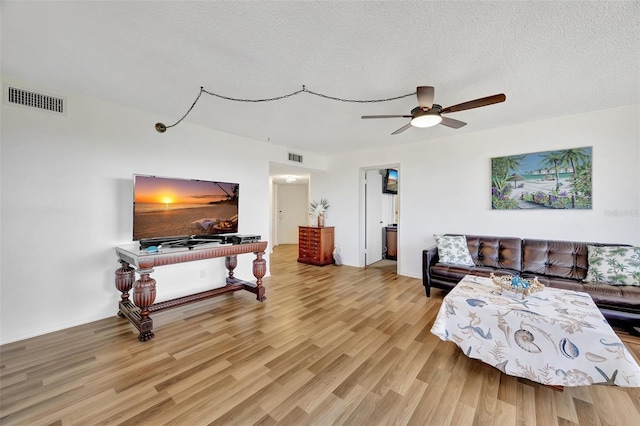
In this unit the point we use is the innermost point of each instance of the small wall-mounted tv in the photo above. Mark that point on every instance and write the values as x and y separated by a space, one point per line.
170 207
390 181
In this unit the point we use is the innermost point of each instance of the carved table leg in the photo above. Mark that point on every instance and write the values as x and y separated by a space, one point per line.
144 294
259 269
125 276
231 262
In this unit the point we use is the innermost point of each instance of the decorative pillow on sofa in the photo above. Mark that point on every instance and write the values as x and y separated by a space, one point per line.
617 265
453 249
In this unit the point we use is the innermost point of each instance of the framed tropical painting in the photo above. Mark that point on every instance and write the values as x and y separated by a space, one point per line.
542 180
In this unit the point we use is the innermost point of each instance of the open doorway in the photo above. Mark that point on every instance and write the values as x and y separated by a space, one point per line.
379 217
292 211
289 203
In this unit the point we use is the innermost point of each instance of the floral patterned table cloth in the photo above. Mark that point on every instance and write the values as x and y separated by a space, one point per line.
554 337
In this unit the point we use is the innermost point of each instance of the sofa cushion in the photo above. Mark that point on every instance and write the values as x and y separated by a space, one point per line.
562 259
454 273
453 249
624 297
616 265
496 252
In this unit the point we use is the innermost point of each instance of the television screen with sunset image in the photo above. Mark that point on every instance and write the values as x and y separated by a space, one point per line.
169 207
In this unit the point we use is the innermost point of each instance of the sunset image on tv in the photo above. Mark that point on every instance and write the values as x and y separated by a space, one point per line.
168 207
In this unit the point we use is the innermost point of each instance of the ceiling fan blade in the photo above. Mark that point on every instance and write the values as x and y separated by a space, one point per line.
386 116
425 96
450 122
476 103
402 129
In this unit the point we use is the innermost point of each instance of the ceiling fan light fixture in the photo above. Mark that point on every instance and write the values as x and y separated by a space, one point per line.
428 114
426 119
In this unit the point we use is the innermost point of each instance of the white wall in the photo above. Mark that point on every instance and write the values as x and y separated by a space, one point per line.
445 185
67 202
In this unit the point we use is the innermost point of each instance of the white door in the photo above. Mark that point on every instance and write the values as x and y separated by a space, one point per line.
373 213
293 211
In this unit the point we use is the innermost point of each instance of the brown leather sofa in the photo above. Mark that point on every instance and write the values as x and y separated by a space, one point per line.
560 264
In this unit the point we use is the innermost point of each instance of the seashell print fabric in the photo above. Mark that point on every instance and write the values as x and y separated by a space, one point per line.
554 337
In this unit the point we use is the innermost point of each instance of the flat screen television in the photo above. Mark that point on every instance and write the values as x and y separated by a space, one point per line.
170 207
390 182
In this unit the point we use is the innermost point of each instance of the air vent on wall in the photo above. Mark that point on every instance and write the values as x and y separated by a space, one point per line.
16 96
295 157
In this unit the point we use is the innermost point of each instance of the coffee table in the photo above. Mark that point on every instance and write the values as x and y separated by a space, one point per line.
555 337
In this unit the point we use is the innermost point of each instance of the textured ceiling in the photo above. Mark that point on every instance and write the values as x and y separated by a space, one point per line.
550 58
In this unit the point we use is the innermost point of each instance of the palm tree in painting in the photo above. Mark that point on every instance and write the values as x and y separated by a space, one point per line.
574 158
514 162
553 160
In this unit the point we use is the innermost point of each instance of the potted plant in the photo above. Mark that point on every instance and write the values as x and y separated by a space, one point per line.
317 209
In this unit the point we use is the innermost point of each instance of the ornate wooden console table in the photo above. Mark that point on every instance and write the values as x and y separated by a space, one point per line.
144 288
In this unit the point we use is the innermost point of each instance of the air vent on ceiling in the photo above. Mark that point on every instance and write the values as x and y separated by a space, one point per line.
295 157
16 96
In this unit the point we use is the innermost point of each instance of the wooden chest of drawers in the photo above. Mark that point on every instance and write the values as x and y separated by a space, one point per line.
315 245
391 242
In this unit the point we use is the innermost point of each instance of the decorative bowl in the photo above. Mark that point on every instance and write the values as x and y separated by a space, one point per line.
518 285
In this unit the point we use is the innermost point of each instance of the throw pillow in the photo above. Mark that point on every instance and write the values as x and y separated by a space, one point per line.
453 249
617 265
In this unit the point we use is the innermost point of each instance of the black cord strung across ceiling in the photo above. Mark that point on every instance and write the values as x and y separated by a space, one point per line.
160 127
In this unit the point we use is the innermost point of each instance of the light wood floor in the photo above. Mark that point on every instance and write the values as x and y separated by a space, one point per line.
330 345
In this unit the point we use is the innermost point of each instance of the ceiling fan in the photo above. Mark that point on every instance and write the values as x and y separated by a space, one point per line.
428 114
